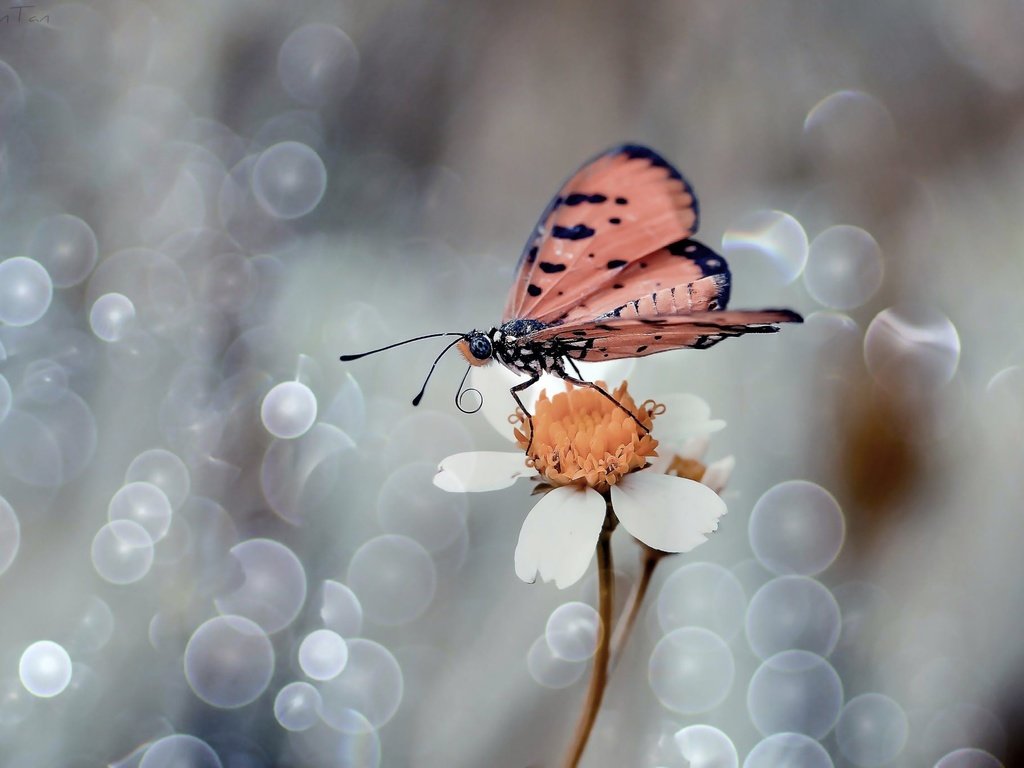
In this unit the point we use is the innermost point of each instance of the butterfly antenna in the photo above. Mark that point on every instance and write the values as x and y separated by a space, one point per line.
416 400
347 358
463 392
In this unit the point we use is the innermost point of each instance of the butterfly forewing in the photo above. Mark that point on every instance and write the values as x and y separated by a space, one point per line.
625 204
621 337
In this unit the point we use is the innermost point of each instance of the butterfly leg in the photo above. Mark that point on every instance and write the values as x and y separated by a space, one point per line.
579 382
515 394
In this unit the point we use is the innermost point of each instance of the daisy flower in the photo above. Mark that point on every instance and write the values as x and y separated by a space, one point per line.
599 467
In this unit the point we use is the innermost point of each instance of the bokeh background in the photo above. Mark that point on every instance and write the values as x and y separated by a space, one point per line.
205 515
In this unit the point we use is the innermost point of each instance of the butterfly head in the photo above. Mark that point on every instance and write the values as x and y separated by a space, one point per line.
476 347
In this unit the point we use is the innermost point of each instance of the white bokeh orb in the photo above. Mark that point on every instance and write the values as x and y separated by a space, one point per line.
771 244
180 751
288 410
317 63
795 691
111 316
394 578
572 631
691 670
793 612
704 746
122 552
289 179
273 585
702 595
66 247
297 706
912 350
25 291
872 730
796 527
549 670
844 267
145 504
323 654
45 669
968 758
229 661
371 684
788 750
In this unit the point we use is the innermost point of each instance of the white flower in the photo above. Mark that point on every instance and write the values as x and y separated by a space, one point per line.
593 454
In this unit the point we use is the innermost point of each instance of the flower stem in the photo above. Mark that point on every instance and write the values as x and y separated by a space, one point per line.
649 559
599 675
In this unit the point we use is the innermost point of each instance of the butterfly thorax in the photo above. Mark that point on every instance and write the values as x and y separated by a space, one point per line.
514 350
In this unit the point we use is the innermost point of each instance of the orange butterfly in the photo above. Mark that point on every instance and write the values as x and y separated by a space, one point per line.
610 273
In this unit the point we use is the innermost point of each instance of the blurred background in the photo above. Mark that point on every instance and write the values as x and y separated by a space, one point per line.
220 546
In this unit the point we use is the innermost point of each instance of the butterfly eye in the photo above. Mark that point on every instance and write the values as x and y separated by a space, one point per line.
480 347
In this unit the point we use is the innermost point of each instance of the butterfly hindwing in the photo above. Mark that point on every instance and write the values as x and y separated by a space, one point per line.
649 285
621 337
623 205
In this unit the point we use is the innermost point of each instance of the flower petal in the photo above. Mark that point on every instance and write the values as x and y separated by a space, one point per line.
660 463
480 471
685 416
717 475
559 536
695 447
685 406
665 512
493 383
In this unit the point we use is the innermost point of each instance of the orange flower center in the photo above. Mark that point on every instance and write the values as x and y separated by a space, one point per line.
691 469
582 438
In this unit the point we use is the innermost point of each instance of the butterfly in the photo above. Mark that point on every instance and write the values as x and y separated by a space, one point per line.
610 271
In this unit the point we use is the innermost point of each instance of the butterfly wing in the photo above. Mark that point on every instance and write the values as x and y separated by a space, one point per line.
622 205
615 338
687 268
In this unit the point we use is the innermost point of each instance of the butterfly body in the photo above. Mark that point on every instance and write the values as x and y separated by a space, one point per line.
611 271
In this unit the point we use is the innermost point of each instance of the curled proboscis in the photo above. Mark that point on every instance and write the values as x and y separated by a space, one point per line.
463 391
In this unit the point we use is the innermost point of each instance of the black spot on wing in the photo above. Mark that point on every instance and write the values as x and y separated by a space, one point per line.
641 348
578 198
616 263
684 247
578 232
614 220
709 262
531 255
621 201
533 290
550 268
